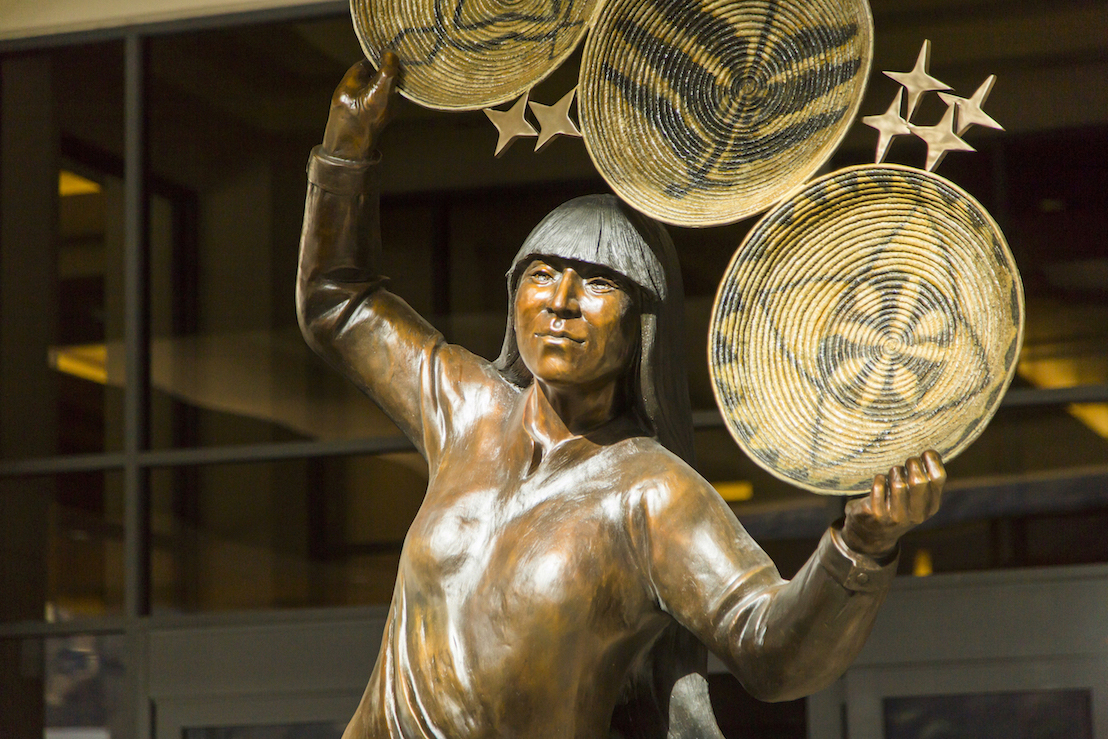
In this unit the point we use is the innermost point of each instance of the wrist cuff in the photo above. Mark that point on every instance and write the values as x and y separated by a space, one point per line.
854 570
340 176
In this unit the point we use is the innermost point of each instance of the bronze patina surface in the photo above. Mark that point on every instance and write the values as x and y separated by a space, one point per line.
568 566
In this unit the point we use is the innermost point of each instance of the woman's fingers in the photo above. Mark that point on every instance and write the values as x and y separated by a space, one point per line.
915 489
936 472
879 496
390 63
353 82
899 497
897 503
360 108
919 491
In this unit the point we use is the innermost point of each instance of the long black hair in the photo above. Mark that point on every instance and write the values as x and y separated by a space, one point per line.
668 697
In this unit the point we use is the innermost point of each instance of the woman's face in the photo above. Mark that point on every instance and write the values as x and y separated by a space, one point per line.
576 324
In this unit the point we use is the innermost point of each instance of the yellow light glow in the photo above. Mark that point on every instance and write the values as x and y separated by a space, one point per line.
1093 415
74 184
922 566
1070 372
734 492
87 361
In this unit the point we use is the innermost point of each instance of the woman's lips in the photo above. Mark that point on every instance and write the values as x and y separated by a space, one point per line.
559 335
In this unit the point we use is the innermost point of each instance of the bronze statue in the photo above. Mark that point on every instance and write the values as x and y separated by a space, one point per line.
568 566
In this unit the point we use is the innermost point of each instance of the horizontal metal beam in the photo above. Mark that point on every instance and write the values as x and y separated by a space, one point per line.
44 629
704 419
1021 397
207 456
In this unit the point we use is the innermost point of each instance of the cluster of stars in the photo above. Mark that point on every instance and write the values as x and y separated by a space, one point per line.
554 121
946 135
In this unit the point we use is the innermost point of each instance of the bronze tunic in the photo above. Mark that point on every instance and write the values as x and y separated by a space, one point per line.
542 565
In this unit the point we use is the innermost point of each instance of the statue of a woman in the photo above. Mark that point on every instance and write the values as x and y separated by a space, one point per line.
568 566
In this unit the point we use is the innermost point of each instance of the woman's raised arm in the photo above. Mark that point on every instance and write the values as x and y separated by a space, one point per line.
370 335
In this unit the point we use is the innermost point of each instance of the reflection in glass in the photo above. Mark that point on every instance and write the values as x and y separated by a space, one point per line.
1030 714
232 115
61 282
288 534
63 547
315 730
1031 439
71 687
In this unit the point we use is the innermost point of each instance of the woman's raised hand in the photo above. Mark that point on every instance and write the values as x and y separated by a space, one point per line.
899 502
360 109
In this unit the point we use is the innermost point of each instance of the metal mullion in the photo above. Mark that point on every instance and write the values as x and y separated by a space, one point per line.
275 452
102 625
207 455
1021 397
136 334
62 465
249 453
136 389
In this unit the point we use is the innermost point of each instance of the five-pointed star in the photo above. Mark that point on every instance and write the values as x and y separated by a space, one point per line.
918 81
888 125
511 124
969 109
940 139
554 120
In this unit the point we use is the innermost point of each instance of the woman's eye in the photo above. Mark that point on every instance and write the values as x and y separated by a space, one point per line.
541 276
602 285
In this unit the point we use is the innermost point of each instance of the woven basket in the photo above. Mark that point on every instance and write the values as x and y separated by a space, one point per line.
704 112
470 54
872 315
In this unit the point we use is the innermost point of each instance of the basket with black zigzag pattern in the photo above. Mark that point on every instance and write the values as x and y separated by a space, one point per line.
873 314
471 54
705 112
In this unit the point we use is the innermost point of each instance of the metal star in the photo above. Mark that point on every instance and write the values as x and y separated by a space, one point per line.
940 139
554 120
918 81
969 109
889 125
511 124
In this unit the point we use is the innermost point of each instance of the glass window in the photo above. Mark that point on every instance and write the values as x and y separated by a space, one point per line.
232 116
317 532
68 687
62 547
314 730
1030 714
61 318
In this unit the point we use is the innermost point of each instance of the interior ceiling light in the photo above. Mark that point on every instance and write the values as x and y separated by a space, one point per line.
734 492
87 361
70 183
1062 372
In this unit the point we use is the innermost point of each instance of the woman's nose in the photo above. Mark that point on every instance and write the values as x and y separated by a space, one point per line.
567 294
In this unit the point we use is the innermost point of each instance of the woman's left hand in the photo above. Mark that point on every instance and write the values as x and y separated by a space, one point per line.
899 502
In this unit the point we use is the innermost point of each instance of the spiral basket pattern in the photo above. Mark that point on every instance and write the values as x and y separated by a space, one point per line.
704 112
872 315
470 54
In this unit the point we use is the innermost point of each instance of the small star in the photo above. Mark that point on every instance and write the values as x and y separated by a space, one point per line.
940 139
969 109
511 124
889 125
918 81
554 120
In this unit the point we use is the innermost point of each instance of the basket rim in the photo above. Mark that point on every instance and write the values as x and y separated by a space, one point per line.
1002 385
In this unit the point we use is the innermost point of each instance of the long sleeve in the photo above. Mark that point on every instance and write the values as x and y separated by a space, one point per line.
369 334
782 639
